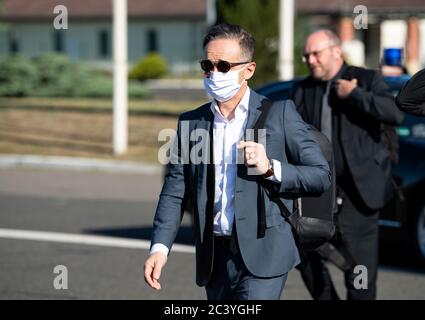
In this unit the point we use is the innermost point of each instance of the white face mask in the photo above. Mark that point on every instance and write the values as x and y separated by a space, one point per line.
222 86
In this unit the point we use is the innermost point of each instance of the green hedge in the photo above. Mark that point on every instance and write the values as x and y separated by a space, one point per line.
152 66
54 75
18 77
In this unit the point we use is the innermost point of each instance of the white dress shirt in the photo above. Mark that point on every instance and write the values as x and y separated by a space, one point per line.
227 134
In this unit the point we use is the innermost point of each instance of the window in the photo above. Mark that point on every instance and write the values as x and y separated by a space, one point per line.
104 48
152 44
13 43
58 41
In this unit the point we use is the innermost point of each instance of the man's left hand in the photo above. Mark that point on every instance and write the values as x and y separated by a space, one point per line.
345 87
255 155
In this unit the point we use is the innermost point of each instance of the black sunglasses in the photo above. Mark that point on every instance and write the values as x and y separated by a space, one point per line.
222 66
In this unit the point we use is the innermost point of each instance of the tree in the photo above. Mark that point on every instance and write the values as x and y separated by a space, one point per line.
260 17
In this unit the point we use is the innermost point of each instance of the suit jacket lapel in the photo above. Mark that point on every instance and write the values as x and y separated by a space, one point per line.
204 123
313 105
254 109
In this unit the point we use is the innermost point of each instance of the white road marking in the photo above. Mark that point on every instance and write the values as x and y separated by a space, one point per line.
79 164
86 239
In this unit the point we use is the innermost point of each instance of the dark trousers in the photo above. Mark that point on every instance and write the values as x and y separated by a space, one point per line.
231 280
358 227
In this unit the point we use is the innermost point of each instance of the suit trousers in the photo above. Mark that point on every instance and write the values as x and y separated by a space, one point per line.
358 227
230 279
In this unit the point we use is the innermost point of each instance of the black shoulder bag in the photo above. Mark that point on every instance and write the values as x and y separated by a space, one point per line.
310 232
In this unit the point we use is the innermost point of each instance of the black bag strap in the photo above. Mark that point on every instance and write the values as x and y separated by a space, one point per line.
266 105
264 185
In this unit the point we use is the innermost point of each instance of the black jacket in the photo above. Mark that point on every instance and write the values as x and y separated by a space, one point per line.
360 116
411 98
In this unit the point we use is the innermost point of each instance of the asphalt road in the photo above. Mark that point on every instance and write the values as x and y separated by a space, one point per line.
95 205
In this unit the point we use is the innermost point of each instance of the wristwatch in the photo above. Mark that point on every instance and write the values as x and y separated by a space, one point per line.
270 171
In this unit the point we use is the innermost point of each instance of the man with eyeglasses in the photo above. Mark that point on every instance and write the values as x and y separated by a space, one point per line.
238 254
349 105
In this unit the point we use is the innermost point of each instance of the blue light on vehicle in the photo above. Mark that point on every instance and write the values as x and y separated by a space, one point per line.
393 56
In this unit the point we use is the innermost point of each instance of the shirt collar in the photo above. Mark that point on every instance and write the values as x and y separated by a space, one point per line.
241 108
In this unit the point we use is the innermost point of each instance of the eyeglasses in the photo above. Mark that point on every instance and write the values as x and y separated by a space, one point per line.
222 65
316 53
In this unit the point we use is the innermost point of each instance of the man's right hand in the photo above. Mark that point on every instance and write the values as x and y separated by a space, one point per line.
153 267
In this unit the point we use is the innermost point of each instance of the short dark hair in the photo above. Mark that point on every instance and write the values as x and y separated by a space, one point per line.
232 31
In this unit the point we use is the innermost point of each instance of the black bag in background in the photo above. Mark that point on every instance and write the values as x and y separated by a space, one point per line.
320 210
312 218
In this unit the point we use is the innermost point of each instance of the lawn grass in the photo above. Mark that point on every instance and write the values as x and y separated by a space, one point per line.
151 107
73 127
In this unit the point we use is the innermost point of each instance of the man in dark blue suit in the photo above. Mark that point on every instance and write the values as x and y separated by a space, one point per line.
235 260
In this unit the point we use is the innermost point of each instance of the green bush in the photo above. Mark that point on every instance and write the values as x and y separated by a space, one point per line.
152 66
94 85
51 67
55 75
18 76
